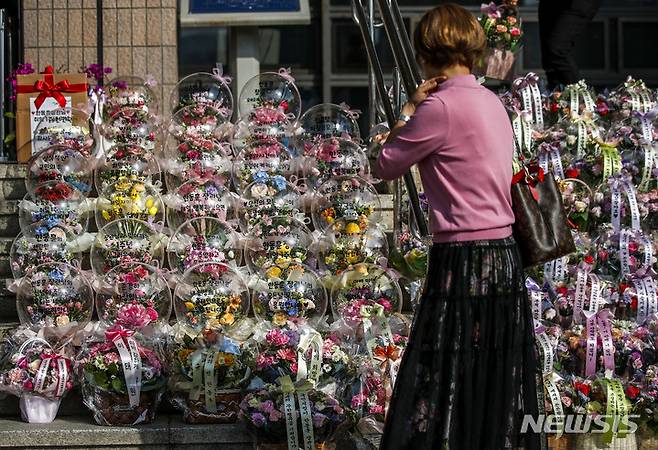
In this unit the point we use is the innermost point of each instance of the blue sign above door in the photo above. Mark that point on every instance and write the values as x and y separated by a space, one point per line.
242 6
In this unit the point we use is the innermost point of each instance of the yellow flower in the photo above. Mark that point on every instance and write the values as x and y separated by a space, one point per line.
135 209
189 305
212 324
352 228
106 215
273 272
153 210
134 195
227 319
212 310
184 353
119 200
229 359
353 256
149 202
284 249
281 260
279 319
123 184
329 219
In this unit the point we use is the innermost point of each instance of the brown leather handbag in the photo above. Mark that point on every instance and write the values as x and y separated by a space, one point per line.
540 229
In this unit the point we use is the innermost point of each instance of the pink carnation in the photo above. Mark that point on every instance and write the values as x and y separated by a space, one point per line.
133 316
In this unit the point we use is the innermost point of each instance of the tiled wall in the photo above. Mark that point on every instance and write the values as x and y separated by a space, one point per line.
139 37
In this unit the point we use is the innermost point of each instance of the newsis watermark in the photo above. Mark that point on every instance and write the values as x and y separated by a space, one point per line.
579 424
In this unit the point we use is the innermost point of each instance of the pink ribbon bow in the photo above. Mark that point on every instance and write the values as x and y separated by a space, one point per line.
286 73
118 332
218 74
352 113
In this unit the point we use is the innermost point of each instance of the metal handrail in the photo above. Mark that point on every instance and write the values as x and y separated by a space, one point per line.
408 71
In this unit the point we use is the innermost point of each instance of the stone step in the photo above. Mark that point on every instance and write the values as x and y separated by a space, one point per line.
13 171
12 189
5 245
8 312
78 432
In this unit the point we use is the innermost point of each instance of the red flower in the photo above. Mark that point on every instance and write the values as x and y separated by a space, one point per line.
632 392
554 107
623 287
634 303
284 105
572 173
562 290
583 387
589 259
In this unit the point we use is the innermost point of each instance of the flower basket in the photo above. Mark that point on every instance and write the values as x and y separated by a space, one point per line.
37 409
228 407
647 442
596 442
319 446
559 443
114 409
497 64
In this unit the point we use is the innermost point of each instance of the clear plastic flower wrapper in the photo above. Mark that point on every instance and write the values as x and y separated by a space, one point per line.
131 126
54 204
269 93
126 161
128 92
255 128
133 295
55 295
264 414
127 199
630 97
39 376
346 243
40 245
76 131
208 374
123 378
261 160
333 158
365 294
213 296
351 198
200 199
410 256
326 121
294 294
126 241
201 89
268 197
280 241
195 150
203 239
59 163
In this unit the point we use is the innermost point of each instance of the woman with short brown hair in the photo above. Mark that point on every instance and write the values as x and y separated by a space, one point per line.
470 368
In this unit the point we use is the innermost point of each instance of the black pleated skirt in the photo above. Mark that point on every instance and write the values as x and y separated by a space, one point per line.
470 370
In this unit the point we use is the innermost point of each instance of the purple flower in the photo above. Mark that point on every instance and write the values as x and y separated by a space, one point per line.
258 419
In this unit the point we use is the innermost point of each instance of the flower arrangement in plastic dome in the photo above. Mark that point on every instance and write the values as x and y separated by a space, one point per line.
126 241
54 204
59 163
128 92
77 134
206 94
203 239
268 197
211 295
279 241
54 295
133 296
127 161
336 157
351 198
294 294
129 199
199 199
39 245
131 126
365 292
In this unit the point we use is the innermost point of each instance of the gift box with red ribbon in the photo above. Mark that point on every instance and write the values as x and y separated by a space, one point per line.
48 96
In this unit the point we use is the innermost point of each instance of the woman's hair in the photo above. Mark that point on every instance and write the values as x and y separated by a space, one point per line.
449 35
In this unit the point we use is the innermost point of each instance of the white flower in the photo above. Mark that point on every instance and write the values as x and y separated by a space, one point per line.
596 211
598 197
571 139
580 206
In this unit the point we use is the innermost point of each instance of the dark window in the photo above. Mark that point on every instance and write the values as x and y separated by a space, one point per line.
291 46
199 49
356 98
634 54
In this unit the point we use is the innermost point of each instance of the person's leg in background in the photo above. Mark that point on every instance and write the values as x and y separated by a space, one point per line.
561 23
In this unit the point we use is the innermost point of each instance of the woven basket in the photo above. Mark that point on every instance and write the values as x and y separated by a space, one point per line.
320 446
596 442
228 407
646 442
561 443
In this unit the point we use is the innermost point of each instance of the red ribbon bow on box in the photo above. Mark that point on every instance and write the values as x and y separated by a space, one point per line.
48 88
